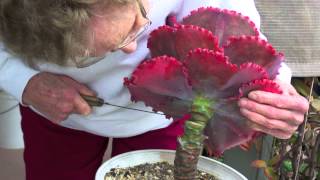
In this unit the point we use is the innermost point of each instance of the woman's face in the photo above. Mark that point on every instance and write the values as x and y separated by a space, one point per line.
109 27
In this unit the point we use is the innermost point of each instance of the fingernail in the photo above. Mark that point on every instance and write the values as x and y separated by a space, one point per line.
87 112
252 95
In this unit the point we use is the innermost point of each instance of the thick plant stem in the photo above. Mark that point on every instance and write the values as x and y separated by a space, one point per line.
190 144
186 163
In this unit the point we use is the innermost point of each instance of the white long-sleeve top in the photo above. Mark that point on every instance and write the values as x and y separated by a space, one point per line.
106 76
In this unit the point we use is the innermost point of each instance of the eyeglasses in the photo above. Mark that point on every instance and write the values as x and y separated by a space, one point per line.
136 34
82 62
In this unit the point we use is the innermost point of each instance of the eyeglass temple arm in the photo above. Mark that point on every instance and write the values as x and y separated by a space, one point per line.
143 11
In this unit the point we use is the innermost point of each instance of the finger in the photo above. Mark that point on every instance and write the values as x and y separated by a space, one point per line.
297 103
270 112
81 88
268 124
58 118
51 112
61 111
65 107
81 106
273 132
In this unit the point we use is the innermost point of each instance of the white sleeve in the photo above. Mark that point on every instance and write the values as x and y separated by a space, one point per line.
14 74
285 73
246 8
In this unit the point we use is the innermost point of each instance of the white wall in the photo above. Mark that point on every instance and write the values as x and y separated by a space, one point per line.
11 141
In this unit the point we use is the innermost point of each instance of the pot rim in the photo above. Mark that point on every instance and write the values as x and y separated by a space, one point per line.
107 165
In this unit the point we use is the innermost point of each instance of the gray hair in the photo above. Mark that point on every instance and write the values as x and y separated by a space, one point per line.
47 30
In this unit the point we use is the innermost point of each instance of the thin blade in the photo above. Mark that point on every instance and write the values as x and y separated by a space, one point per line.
106 103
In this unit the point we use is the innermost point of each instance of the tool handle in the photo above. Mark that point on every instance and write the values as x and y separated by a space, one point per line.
93 100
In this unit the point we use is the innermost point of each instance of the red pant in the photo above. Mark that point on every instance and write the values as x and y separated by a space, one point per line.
53 152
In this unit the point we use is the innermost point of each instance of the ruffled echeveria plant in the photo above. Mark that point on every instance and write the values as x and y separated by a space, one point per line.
201 67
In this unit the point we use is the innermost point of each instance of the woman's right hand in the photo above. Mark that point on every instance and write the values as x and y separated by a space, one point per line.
56 96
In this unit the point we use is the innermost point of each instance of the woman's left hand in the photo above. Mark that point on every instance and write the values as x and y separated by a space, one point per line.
276 114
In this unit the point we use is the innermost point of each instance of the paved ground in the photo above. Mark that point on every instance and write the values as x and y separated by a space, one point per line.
11 164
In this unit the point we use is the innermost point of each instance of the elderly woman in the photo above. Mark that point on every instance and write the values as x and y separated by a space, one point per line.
54 51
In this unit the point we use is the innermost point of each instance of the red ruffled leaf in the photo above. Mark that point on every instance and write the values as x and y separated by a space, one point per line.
192 37
222 23
247 73
253 49
209 71
164 76
161 83
178 41
171 106
227 129
162 42
262 85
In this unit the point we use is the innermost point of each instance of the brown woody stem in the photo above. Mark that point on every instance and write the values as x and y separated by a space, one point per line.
190 144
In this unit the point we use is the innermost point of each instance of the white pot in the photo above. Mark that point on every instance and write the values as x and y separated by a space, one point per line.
134 158
10 119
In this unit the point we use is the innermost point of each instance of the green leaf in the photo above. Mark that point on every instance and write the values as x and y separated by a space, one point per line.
315 103
294 138
303 167
274 160
270 173
302 87
287 165
309 134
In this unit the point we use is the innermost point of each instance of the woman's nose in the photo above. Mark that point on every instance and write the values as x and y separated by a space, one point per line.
131 47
